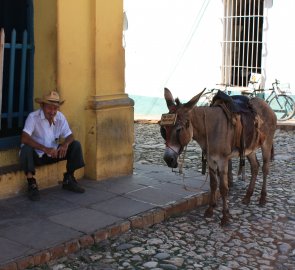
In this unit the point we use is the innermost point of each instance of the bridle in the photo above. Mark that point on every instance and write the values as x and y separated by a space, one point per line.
166 133
179 125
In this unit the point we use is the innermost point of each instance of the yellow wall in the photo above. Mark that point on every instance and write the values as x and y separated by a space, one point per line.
78 50
75 60
45 35
108 45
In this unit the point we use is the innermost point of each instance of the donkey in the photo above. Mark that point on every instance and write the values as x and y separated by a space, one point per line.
216 134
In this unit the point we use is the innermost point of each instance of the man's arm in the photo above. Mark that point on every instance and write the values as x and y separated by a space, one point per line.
27 139
63 148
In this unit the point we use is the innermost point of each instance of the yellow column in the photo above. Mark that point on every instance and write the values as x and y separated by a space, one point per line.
110 109
91 67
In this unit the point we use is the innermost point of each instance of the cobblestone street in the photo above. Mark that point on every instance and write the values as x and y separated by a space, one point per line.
257 237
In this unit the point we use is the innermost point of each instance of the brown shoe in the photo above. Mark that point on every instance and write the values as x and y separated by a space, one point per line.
71 184
33 191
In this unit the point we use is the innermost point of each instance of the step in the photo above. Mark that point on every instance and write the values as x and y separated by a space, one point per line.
13 181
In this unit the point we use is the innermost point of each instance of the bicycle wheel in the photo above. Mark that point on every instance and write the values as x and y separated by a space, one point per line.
283 106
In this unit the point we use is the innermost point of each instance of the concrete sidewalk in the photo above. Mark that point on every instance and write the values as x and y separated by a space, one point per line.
33 233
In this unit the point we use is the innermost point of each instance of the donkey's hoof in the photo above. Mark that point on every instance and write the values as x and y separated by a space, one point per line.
224 221
230 183
262 201
246 200
208 212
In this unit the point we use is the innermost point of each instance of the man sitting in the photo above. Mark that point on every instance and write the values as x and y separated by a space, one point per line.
41 144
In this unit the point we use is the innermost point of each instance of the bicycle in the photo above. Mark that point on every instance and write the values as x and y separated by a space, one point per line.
208 95
279 100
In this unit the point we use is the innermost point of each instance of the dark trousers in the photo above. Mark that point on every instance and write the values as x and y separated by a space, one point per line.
29 159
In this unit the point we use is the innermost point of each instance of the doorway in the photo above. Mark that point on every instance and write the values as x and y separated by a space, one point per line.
16 18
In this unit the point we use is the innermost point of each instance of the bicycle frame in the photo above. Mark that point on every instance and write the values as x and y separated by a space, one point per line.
282 104
208 95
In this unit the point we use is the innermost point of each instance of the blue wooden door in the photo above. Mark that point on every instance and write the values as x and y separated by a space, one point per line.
16 18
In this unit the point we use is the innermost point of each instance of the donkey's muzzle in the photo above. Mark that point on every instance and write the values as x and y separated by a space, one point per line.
170 158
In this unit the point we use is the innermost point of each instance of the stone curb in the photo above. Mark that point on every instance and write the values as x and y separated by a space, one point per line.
141 221
286 126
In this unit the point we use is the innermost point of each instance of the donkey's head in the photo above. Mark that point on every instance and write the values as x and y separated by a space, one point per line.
177 133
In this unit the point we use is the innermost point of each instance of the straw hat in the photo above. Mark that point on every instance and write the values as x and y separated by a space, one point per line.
50 98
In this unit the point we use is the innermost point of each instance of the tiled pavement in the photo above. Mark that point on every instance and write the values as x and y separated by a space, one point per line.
33 233
62 222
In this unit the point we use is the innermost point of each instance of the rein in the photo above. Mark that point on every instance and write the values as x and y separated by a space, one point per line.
207 140
181 161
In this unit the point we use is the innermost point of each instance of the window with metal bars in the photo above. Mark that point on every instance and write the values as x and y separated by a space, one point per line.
242 40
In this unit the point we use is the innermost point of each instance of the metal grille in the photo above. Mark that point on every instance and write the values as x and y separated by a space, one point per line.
242 40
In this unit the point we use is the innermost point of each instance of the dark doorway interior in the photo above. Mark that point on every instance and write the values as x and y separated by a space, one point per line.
16 15
13 15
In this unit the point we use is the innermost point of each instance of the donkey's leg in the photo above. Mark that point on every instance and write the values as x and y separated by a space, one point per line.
254 165
223 187
230 174
266 156
213 188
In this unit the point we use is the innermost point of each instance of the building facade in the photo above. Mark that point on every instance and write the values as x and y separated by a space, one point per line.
76 48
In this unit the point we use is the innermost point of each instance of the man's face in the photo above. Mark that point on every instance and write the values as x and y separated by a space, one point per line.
50 111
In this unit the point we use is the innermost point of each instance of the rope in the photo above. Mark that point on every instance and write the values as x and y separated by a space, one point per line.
181 163
207 141
207 144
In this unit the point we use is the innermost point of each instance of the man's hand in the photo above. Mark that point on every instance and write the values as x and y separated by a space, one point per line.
51 152
62 150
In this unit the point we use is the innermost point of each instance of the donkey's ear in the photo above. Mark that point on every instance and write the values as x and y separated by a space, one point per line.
168 97
190 104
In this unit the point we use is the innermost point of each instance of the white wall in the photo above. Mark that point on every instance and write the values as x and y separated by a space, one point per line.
174 44
279 37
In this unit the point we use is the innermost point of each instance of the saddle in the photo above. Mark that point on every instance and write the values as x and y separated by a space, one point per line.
245 120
